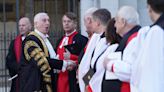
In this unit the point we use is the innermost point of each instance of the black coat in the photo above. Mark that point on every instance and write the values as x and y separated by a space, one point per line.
12 65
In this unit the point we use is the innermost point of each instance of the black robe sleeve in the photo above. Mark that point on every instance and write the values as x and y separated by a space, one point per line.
36 53
81 56
11 62
57 44
55 64
80 41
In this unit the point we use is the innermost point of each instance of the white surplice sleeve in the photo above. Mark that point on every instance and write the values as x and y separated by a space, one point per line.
85 62
122 67
148 70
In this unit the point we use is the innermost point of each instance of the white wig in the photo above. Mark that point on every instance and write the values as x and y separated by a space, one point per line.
90 11
129 14
38 16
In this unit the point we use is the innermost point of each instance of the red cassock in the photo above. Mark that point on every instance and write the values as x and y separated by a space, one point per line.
66 82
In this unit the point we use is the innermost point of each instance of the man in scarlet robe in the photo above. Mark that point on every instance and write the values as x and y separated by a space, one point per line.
14 53
66 80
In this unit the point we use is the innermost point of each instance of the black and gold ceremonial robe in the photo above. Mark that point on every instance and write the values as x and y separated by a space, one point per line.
36 65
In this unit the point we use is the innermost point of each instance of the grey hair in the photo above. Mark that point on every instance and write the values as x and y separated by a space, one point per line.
38 16
90 11
129 14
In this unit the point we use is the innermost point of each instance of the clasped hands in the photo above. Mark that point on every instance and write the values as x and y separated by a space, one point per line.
70 63
110 59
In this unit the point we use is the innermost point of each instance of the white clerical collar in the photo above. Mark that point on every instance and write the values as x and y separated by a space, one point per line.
41 34
101 33
23 37
70 33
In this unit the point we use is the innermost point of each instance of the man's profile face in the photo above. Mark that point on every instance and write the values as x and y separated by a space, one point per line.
24 26
88 24
68 24
119 25
43 24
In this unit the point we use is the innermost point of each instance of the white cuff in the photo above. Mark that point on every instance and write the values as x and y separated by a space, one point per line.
109 66
64 66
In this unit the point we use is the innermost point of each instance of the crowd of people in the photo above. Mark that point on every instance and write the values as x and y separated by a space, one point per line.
118 56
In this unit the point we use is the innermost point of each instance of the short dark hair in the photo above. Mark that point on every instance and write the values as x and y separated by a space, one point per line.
157 5
71 16
103 15
110 33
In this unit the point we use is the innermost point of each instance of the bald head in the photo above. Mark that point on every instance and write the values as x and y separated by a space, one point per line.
24 26
41 22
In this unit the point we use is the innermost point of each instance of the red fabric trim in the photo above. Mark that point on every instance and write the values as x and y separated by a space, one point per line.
63 82
112 68
125 87
17 51
86 47
18 47
74 57
131 37
17 85
89 89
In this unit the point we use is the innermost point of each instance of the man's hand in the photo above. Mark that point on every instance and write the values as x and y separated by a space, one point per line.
70 65
67 55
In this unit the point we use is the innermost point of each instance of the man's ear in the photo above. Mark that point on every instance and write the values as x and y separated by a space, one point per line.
149 8
123 22
35 24
98 23
75 24
89 20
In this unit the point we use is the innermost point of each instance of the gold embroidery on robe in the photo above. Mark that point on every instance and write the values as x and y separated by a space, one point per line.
41 59
37 57
49 88
43 43
35 51
29 44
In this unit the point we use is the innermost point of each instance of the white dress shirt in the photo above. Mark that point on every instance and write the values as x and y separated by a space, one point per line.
48 44
50 49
